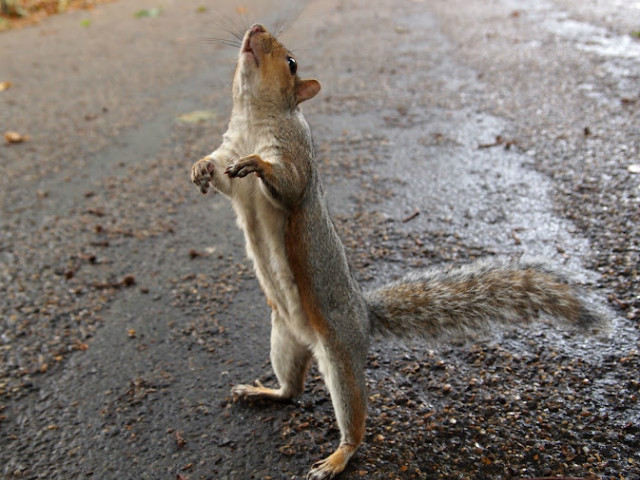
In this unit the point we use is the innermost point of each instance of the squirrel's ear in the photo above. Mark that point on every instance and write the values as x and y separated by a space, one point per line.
306 89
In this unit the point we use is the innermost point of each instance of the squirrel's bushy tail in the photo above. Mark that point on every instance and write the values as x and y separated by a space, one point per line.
467 299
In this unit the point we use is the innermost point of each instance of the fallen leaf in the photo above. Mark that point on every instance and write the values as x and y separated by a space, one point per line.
181 442
15 137
241 10
193 253
14 9
197 116
5 86
81 346
148 13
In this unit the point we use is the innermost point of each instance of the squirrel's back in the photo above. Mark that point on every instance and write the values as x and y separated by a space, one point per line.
467 299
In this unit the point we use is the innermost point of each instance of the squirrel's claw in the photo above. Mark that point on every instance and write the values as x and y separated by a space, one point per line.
244 166
321 470
333 464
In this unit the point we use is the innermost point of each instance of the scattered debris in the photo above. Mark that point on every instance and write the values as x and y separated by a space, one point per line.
127 281
95 211
514 235
499 141
193 253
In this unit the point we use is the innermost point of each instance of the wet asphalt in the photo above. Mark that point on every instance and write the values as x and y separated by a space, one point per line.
445 131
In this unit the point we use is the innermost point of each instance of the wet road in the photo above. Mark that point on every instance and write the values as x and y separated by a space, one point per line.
128 308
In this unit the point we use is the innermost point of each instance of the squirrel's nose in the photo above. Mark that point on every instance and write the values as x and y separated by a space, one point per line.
257 28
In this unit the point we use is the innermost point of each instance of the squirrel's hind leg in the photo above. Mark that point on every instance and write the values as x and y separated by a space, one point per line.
344 376
290 360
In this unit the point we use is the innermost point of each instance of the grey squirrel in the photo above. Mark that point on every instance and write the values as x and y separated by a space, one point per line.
265 165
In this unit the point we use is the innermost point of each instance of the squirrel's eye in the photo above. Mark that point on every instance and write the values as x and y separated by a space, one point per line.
293 65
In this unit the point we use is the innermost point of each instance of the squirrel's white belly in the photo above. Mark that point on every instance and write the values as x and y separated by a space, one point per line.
263 225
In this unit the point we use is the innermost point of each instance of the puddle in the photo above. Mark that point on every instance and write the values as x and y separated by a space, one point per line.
619 53
625 3
485 196
592 38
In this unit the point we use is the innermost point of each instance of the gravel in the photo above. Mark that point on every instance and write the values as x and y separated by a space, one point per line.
129 310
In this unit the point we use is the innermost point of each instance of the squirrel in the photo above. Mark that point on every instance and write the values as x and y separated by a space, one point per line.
318 310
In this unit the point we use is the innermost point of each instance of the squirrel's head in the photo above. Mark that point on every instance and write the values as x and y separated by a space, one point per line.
266 74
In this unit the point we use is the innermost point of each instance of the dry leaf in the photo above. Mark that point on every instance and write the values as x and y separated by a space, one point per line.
5 86
15 137
180 441
197 116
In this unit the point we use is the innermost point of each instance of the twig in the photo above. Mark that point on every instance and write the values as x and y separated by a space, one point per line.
411 217
499 141
127 281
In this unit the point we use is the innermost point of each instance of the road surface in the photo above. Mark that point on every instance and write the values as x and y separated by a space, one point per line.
445 131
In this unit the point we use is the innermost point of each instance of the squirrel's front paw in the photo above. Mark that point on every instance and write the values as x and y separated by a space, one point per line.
202 173
246 165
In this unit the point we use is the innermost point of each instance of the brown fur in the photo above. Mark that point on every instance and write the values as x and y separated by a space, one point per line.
297 254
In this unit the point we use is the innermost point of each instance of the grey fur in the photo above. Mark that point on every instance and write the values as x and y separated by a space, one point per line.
437 303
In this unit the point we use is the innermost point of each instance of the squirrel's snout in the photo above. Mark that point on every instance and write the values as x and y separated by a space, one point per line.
257 28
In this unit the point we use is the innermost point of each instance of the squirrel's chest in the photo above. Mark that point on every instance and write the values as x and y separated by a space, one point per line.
263 225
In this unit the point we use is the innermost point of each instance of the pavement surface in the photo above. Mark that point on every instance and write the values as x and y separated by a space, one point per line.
445 131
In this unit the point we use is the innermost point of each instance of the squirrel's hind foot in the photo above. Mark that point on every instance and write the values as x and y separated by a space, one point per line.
258 392
333 464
